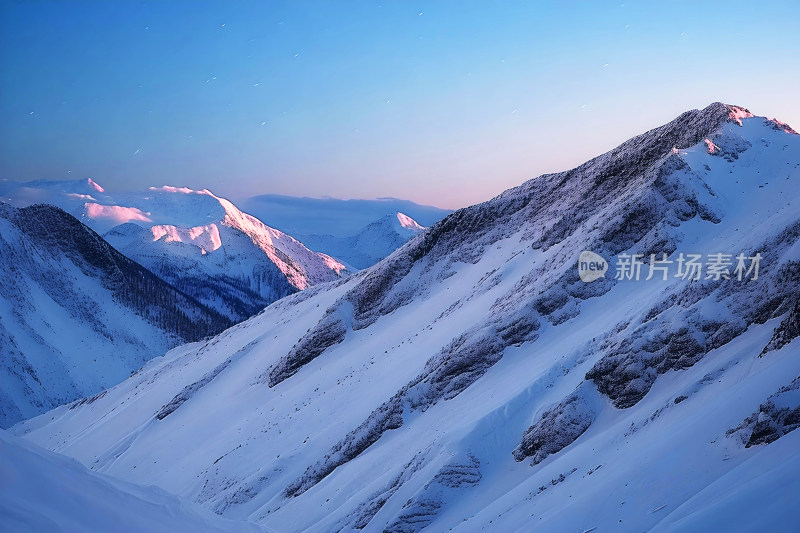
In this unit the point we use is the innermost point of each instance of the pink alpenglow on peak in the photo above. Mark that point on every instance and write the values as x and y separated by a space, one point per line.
94 185
226 259
168 188
280 248
738 113
333 264
408 222
182 190
117 213
711 148
778 125
204 237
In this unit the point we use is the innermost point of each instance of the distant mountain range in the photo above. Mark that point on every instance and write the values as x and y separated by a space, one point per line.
473 381
195 240
371 244
332 216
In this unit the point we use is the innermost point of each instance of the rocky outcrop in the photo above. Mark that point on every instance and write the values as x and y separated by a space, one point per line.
330 330
558 427
421 510
786 332
777 416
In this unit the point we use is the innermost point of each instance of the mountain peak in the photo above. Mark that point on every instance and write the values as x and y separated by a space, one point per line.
736 114
692 126
650 148
94 185
408 222
727 112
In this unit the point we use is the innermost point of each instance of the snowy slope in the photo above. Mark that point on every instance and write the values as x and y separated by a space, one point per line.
332 216
195 240
371 244
76 315
46 492
471 381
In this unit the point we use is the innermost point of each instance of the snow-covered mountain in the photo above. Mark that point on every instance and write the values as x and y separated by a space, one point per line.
195 240
472 382
333 216
44 492
76 316
374 242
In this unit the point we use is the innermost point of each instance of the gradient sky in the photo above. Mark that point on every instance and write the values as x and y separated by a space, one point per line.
444 103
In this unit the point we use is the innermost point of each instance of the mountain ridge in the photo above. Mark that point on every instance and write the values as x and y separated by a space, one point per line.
194 240
334 216
58 276
369 245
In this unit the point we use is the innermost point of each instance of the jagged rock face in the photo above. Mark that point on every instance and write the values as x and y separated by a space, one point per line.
63 285
558 427
686 325
475 350
788 330
421 510
331 330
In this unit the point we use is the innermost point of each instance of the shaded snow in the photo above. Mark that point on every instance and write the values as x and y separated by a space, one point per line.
45 492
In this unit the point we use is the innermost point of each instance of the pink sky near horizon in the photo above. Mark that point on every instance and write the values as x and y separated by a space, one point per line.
440 104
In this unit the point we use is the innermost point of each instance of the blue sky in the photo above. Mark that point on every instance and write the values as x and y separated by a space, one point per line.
444 103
